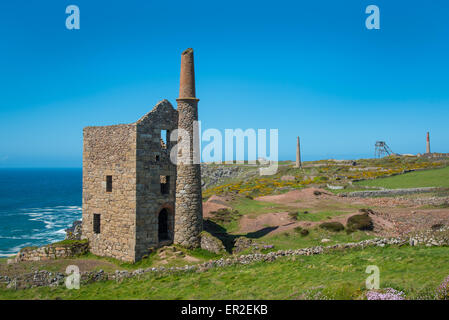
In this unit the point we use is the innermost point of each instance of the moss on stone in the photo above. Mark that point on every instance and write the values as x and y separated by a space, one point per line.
68 243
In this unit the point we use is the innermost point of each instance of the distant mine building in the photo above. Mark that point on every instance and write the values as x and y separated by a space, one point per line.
134 197
381 149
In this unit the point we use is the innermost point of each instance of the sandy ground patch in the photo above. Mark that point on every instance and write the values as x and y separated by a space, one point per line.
406 220
392 217
214 203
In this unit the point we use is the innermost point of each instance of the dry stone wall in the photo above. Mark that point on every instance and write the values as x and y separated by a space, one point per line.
53 251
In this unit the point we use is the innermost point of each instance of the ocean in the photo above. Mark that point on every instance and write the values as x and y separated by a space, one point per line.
36 206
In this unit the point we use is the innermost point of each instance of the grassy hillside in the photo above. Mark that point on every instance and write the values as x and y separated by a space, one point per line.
338 275
425 178
248 182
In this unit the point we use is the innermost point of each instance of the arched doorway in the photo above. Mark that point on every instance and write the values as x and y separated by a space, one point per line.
163 225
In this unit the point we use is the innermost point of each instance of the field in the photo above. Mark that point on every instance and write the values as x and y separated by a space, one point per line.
425 178
338 275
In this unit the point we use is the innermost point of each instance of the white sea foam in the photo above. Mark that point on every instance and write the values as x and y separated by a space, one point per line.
52 220
14 250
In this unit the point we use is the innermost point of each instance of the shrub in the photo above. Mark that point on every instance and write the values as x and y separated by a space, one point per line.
437 226
298 229
293 215
332 226
28 248
360 222
223 215
304 232
366 210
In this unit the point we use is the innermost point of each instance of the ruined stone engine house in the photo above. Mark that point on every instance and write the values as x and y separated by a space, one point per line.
134 197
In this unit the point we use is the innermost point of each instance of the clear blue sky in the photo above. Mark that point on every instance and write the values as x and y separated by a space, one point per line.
308 68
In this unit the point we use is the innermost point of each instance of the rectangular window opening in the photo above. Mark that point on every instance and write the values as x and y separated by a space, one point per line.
164 138
108 183
165 184
96 223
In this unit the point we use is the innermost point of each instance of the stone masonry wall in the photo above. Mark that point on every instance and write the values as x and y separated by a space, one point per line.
51 252
153 161
110 150
189 212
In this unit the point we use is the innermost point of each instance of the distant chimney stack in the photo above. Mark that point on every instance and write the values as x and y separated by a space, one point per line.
298 154
428 143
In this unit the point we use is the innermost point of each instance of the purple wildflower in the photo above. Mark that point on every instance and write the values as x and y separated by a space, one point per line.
386 294
443 290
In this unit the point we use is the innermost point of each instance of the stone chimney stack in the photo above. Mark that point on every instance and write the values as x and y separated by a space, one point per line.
188 206
187 79
298 154
428 143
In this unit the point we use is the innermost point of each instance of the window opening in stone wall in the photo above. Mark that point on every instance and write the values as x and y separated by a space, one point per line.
165 184
158 158
108 183
164 139
97 223
163 225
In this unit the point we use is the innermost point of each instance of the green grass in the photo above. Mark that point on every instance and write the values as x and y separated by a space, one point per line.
318 216
153 259
424 178
294 240
339 275
108 264
253 208
69 242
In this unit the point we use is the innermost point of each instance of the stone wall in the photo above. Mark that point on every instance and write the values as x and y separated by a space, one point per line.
53 251
389 192
189 211
153 161
136 158
211 243
75 231
110 151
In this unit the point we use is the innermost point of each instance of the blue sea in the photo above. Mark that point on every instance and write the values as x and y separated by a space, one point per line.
37 205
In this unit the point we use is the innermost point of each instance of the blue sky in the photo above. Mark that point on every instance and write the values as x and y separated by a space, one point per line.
307 68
